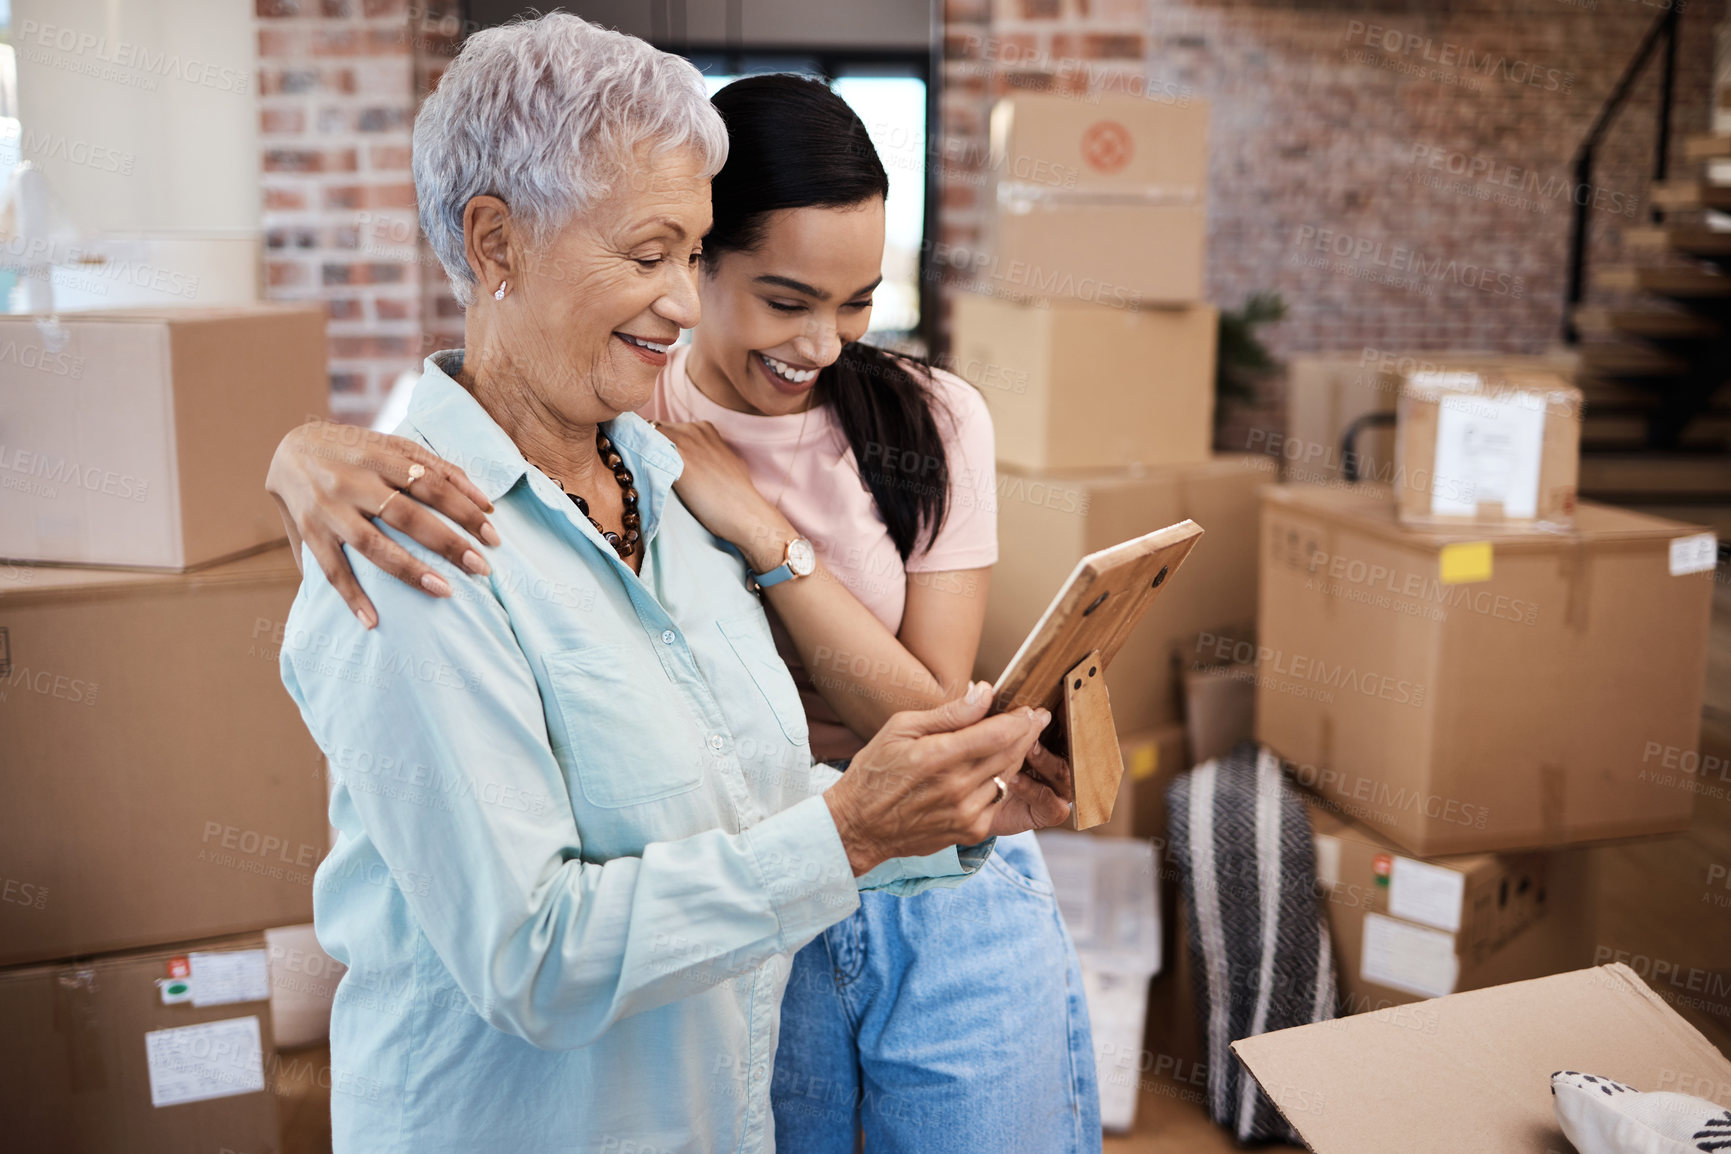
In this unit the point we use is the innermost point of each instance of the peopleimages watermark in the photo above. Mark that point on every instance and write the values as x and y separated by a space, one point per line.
1314 671
51 469
47 683
1301 452
1692 986
23 893
1397 265
1383 800
1487 178
1412 53
1021 280
42 359
1674 767
36 145
1718 878
121 61
1411 592
1099 79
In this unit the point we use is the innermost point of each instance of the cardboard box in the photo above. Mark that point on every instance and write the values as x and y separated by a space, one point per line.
1473 1071
1173 1035
1046 248
1327 392
1405 929
1464 692
303 986
1046 524
1106 893
1072 386
1152 758
1488 447
1219 709
163 1051
1124 144
1098 201
160 783
141 437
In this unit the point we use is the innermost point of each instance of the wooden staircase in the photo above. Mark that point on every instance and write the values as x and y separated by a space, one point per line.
1656 367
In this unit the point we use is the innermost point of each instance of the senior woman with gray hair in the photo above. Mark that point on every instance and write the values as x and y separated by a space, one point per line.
585 774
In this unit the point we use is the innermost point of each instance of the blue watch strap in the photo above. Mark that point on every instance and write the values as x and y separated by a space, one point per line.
776 576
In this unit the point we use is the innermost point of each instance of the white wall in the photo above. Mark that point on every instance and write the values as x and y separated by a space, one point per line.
143 114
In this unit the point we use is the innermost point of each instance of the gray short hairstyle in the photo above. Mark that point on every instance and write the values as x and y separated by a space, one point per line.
544 114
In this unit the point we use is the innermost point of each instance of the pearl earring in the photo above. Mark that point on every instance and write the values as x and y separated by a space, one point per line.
500 294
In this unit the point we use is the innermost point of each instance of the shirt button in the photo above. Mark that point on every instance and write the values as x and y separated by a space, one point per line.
715 742
667 636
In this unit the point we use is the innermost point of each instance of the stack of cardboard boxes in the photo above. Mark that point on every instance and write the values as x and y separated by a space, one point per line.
1477 676
165 805
1091 341
1472 672
1473 675
1096 353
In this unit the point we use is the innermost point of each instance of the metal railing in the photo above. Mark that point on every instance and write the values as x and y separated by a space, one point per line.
1663 32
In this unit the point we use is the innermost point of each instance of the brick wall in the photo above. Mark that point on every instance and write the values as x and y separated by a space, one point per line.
1316 126
1316 122
336 105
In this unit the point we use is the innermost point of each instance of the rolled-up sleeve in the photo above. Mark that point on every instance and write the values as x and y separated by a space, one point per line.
906 876
433 723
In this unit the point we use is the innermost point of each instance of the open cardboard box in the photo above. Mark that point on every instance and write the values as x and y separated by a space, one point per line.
1473 1071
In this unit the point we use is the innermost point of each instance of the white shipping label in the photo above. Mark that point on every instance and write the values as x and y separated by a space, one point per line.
1487 449
1408 957
1421 892
209 1060
1327 859
220 979
1446 380
1695 554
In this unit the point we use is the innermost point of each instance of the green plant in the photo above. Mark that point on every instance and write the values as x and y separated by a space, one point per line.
1242 360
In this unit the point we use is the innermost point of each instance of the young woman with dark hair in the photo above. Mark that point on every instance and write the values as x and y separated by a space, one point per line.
858 487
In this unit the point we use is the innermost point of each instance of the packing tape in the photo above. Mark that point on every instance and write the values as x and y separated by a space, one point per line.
1017 197
1577 574
1553 793
76 1020
1465 562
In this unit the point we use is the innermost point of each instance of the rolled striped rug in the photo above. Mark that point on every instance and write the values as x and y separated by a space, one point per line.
1259 945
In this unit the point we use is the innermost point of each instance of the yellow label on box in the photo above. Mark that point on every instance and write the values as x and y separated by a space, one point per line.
1465 563
1145 762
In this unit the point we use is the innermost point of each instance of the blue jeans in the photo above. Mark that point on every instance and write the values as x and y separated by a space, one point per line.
951 1020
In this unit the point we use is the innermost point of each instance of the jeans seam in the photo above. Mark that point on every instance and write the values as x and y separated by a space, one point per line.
1020 880
845 976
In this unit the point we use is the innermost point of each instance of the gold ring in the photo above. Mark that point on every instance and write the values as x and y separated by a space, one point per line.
416 472
395 493
1003 790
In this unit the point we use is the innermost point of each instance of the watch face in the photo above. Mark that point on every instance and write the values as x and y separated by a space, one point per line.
801 558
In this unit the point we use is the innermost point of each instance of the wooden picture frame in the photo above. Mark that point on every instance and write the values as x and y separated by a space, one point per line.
1061 665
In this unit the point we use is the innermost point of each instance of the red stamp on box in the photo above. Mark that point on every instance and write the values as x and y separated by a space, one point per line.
180 967
1107 146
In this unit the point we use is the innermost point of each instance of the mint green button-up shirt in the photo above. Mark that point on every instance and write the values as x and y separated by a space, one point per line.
580 834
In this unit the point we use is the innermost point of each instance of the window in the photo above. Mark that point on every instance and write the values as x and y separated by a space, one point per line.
892 100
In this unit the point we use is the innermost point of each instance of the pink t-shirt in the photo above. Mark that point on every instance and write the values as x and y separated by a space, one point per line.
803 465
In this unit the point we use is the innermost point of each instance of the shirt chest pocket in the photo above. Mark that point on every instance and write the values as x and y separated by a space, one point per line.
626 726
748 634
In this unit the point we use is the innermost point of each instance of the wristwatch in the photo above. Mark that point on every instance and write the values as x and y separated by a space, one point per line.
801 560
